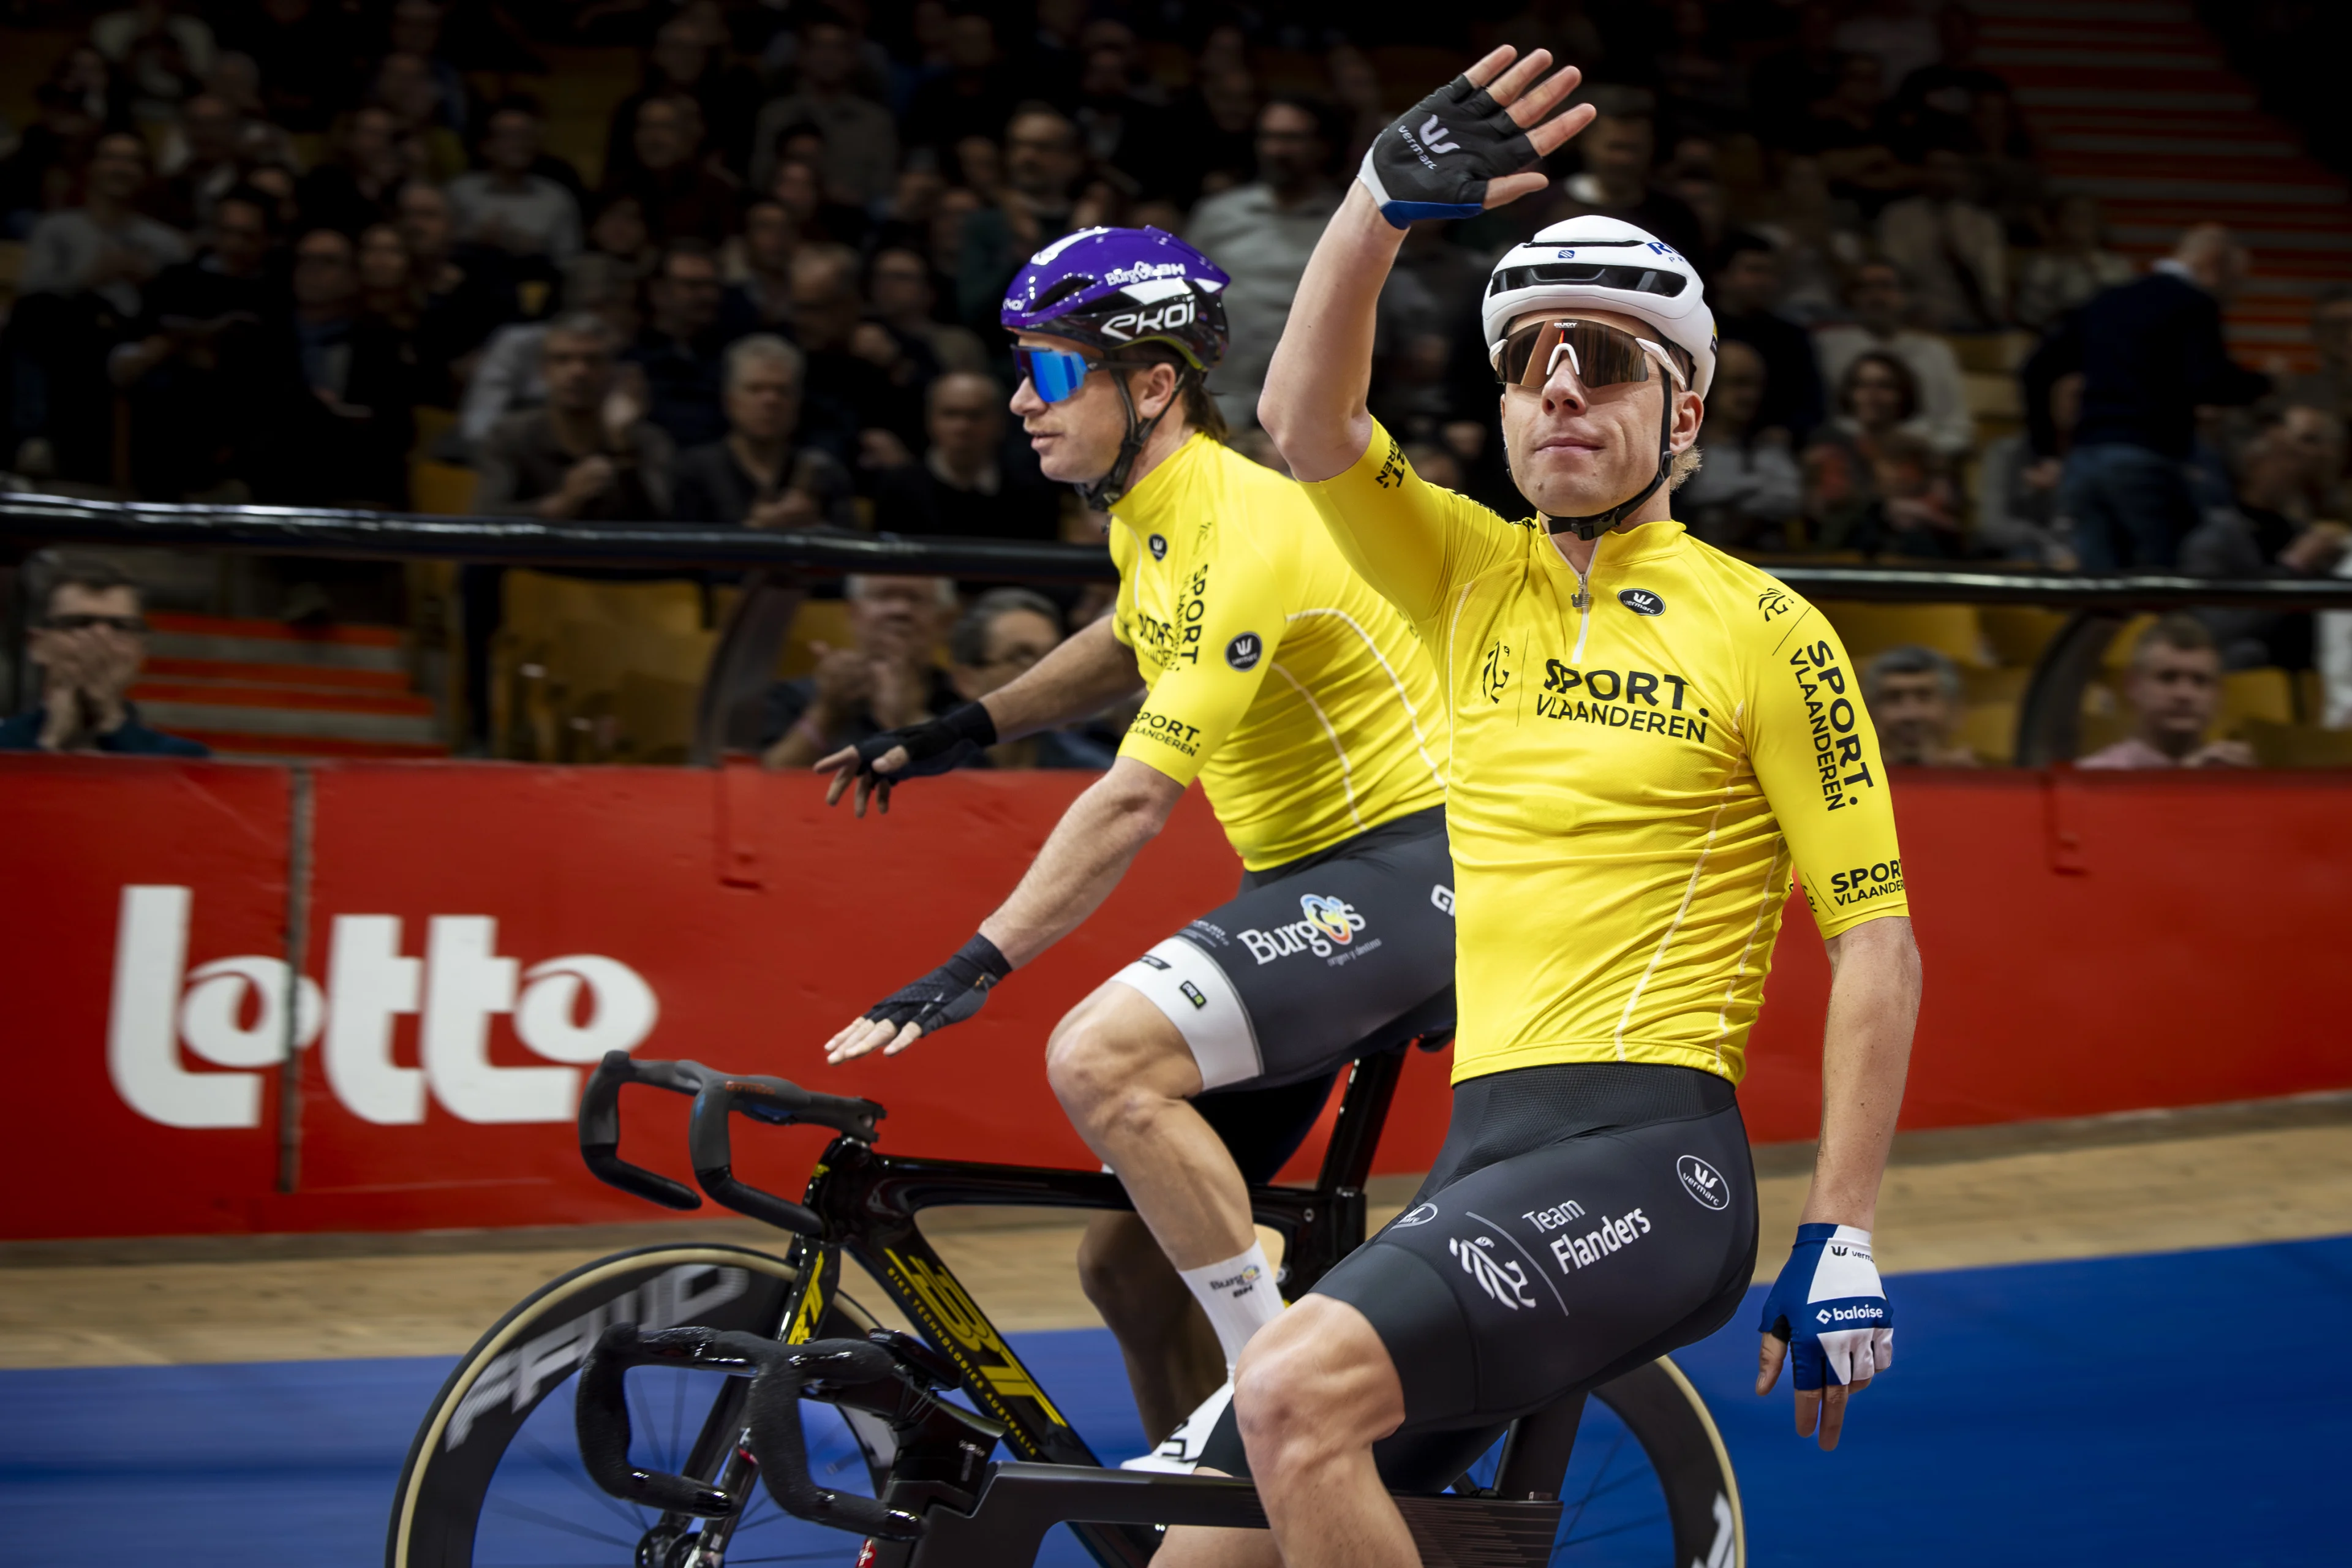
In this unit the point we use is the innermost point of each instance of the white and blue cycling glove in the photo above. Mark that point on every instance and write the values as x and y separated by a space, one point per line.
1437 160
1829 1305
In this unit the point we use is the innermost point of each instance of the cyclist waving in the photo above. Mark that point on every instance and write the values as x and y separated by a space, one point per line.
1298 697
1648 736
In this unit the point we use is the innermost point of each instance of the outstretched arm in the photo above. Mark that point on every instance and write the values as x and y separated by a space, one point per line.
1313 401
1084 858
1086 672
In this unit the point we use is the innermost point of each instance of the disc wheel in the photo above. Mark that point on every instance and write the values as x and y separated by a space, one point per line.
494 1478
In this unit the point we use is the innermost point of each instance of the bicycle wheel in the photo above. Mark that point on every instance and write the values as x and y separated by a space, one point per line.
1649 1483
494 1477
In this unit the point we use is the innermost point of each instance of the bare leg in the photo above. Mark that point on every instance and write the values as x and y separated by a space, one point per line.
1315 1390
1126 1078
1173 1361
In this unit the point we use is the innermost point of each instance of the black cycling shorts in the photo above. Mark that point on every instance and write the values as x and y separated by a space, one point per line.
1580 1220
1336 955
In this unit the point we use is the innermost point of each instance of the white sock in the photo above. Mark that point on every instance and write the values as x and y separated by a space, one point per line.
1239 1296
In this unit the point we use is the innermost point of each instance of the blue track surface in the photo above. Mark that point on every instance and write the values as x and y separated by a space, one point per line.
2186 1407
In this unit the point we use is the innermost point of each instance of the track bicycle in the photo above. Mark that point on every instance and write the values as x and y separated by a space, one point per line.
691 1405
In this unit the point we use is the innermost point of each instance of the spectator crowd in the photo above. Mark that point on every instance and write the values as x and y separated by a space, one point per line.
284 250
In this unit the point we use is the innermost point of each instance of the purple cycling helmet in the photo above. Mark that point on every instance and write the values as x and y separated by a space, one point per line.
1110 288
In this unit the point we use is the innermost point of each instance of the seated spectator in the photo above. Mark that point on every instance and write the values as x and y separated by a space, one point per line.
902 295
1746 287
341 434
2330 385
971 92
41 172
1951 247
195 372
1849 130
1262 234
2018 517
848 397
2073 266
886 681
1914 694
207 163
679 350
2151 353
1120 112
1619 149
1820 240
591 453
404 84
362 183
2174 687
1216 124
1872 483
1748 489
1897 36
861 140
1037 207
389 291
506 204
617 239
464 294
2285 471
162 56
81 289
89 642
995 642
1880 299
676 194
758 476
508 381
799 189
964 486
758 295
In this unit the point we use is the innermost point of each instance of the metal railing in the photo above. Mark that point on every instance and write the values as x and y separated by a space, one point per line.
779 568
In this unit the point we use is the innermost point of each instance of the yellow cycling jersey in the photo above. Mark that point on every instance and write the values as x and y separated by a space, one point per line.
1638 757
1292 692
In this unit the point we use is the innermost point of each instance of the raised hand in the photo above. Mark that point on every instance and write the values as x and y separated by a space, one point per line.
1470 145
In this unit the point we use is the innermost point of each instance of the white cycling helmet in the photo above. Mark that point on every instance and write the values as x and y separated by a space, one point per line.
1595 263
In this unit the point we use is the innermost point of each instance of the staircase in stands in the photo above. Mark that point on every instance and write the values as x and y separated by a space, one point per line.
265 688
2132 102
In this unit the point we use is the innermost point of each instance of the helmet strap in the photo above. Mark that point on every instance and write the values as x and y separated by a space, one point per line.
1600 522
1104 492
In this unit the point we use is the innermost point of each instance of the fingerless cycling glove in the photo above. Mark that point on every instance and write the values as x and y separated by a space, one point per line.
934 746
1831 1308
1436 161
948 995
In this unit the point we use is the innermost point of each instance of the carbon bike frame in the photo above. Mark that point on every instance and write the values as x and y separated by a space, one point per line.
863 1202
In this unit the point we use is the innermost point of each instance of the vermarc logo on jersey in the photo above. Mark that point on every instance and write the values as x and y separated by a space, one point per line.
1329 926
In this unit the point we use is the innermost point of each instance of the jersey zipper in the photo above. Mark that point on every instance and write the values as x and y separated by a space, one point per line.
1583 602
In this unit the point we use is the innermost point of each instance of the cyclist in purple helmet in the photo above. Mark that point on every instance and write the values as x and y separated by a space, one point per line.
1298 699
1124 296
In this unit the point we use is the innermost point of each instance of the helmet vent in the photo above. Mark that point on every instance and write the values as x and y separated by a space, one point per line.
1063 289
1633 280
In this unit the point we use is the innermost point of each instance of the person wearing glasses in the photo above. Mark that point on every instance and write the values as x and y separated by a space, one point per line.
1649 739
89 642
1274 676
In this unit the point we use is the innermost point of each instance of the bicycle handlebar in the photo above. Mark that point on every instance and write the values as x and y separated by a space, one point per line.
717 1095
779 1448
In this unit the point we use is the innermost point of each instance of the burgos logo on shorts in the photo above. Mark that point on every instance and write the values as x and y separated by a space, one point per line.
1701 1181
1330 923
1507 1282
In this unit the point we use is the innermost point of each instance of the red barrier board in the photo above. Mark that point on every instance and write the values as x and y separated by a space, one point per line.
475 935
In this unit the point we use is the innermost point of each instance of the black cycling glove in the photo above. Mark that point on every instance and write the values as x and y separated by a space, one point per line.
1437 160
948 995
934 746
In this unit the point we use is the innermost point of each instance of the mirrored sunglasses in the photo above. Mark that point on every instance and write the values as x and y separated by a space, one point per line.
1599 355
1055 375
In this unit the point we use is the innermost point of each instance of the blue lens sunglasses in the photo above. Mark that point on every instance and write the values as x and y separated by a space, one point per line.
1056 375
